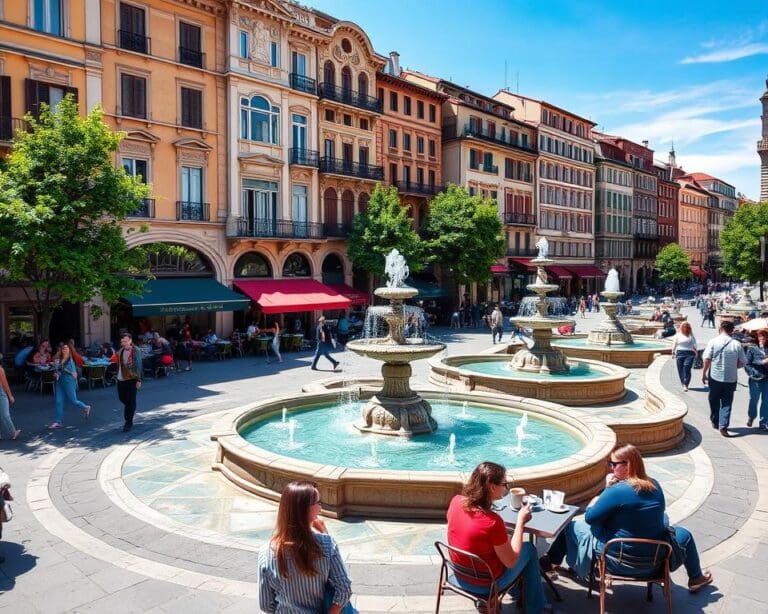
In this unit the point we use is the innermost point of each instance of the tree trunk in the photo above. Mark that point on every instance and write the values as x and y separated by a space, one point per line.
46 315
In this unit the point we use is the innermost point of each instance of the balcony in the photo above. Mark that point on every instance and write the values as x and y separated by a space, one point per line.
519 219
133 41
411 187
492 137
337 230
146 210
277 229
9 126
196 212
302 84
304 157
351 169
349 97
191 57
645 234
523 252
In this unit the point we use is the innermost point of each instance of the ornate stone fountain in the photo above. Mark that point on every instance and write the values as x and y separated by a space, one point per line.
541 357
396 409
611 331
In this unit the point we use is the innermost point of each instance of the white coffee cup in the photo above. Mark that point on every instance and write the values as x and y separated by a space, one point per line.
557 499
516 497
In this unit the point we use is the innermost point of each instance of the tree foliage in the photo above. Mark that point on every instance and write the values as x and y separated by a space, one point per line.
740 242
383 225
672 263
61 201
464 234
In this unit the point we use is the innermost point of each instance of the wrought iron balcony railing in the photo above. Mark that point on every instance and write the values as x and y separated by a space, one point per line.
133 41
520 219
499 138
350 97
9 126
198 212
337 230
146 210
338 166
277 229
645 234
191 57
412 187
302 83
304 157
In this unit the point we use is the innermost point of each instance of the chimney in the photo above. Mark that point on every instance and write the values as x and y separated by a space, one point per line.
645 143
394 63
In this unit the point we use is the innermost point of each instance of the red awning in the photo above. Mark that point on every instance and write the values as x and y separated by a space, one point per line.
699 272
358 297
499 268
526 262
292 295
561 272
585 271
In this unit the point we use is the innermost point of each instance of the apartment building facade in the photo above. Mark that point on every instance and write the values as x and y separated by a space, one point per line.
668 197
693 231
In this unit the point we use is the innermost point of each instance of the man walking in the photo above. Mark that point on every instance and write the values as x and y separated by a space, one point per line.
129 371
497 323
324 344
723 357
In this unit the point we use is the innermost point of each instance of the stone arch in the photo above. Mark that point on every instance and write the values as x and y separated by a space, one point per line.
296 264
248 265
178 237
333 268
329 73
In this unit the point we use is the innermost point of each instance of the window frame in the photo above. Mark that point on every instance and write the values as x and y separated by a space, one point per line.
200 92
136 76
249 111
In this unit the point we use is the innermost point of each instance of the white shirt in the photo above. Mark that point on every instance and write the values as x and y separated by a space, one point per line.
726 354
683 343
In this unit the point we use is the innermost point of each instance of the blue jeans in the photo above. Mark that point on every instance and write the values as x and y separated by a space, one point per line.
66 391
497 330
692 563
758 391
684 360
720 401
6 424
323 349
527 566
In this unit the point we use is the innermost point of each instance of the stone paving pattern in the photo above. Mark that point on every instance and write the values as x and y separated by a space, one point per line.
44 573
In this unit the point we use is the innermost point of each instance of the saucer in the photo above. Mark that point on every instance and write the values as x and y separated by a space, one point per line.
558 510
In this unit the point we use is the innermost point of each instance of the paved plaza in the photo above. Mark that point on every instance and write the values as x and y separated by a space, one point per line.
109 522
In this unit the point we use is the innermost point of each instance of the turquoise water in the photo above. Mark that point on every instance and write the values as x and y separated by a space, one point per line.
324 434
501 368
637 345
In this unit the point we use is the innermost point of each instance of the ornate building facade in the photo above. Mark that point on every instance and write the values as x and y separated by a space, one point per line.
762 147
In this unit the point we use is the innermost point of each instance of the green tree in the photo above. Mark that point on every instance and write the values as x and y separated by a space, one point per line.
672 263
61 201
383 225
464 234
740 242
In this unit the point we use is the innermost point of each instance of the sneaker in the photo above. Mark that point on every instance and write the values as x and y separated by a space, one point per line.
55 425
762 427
16 435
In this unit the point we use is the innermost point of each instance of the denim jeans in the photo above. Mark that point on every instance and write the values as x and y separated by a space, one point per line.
66 391
323 349
758 393
6 424
527 566
497 330
692 564
720 402
684 360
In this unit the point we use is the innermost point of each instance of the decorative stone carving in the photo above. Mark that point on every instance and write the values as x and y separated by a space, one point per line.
137 148
353 58
260 40
49 74
92 55
191 157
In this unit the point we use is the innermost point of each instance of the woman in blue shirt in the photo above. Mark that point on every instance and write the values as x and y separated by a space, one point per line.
301 571
66 385
632 505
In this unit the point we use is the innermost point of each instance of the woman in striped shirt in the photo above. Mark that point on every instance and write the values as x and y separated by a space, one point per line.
300 570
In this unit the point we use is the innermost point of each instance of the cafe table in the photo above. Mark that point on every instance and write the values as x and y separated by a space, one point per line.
543 523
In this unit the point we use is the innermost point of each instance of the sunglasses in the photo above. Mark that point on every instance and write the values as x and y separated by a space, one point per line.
616 463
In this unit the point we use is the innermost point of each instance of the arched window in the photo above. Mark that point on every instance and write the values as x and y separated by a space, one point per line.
362 201
329 73
259 120
333 270
179 260
347 207
362 84
330 201
296 265
346 79
252 264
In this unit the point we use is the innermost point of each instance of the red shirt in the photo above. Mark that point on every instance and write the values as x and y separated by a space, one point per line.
478 532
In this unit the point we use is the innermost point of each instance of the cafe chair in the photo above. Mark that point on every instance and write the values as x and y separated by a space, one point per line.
614 564
478 570
48 378
97 375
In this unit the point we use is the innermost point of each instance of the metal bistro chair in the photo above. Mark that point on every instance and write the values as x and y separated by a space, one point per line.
652 568
97 375
48 378
262 346
477 570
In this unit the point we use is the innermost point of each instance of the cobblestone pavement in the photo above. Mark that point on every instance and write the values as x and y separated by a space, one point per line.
78 545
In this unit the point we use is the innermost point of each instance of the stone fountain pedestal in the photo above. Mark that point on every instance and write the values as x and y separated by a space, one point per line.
610 331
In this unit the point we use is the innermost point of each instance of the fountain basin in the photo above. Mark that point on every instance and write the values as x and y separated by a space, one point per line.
385 351
641 353
638 326
589 382
406 493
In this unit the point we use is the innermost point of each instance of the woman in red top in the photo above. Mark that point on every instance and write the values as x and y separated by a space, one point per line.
473 526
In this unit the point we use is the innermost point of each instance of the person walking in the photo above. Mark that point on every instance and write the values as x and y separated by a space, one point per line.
583 307
723 357
711 309
324 344
6 398
497 323
276 342
129 373
684 350
757 369
66 385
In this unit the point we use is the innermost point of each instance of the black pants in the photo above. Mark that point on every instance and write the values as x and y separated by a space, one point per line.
126 392
720 402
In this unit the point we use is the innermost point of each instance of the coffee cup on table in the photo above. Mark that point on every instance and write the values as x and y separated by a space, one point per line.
516 497
557 499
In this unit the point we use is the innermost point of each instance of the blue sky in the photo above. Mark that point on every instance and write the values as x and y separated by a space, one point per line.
691 72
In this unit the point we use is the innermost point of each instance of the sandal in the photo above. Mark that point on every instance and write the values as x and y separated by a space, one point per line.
700 582
86 412
16 435
55 425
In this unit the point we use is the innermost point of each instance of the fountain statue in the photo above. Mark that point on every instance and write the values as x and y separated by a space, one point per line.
396 409
611 331
541 357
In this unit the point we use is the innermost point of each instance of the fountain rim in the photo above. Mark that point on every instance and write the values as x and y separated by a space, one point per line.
598 438
562 341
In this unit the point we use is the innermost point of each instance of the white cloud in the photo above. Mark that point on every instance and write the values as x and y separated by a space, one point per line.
728 54
683 129
720 163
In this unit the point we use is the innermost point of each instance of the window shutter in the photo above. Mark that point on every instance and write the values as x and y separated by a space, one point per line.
73 91
32 96
6 128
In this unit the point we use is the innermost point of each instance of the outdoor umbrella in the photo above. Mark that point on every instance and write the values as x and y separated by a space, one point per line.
756 324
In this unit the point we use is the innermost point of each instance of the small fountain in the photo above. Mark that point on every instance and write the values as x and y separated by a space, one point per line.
452 449
396 409
610 331
520 432
285 415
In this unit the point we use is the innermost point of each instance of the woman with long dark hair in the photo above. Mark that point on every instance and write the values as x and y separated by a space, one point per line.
632 505
66 385
474 526
301 569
